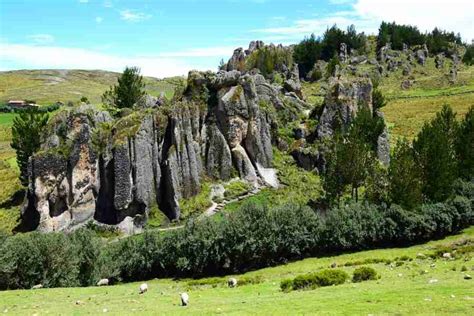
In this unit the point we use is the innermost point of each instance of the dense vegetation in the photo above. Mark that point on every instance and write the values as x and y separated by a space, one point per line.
314 48
311 49
424 172
27 126
437 41
252 237
128 91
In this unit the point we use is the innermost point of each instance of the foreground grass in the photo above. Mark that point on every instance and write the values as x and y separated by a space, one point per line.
402 289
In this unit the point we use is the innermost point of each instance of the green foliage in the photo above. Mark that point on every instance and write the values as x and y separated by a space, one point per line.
26 130
84 100
397 35
378 99
367 127
311 49
332 66
437 40
465 146
306 53
235 189
352 155
435 152
314 280
468 57
54 260
364 274
269 59
252 237
129 90
196 204
406 182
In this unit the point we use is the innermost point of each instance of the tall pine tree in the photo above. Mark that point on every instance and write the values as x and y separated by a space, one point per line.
435 152
465 146
26 131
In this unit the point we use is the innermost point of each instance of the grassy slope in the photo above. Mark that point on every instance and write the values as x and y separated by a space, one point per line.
49 86
407 110
400 290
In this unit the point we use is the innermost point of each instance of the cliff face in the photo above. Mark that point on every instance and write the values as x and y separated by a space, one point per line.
94 167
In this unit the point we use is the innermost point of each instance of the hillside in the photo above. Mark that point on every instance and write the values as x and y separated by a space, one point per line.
50 86
411 283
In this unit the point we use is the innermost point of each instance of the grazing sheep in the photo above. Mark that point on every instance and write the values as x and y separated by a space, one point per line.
232 282
37 287
143 288
103 282
184 299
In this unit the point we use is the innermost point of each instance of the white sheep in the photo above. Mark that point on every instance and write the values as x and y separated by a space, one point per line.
37 287
103 282
143 288
184 299
232 282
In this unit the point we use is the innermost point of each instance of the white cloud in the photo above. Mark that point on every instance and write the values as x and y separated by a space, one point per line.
53 57
133 16
42 38
99 19
218 51
453 15
366 15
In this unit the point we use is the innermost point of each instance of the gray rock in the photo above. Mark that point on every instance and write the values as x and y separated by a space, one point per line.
383 148
342 102
439 61
421 56
343 56
253 46
406 84
237 61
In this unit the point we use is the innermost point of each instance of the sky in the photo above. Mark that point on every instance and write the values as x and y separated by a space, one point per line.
170 37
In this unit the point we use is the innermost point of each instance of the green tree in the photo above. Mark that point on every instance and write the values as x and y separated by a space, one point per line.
465 146
436 154
129 90
27 126
468 57
84 100
405 177
367 127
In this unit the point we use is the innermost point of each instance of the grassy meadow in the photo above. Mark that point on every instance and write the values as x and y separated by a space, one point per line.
49 86
412 284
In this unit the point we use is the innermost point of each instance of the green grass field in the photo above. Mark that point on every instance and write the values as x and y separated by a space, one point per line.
50 86
413 286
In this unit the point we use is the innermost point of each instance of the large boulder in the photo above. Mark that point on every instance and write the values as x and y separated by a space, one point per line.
342 102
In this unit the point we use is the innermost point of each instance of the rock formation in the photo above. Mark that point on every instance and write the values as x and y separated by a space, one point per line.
92 167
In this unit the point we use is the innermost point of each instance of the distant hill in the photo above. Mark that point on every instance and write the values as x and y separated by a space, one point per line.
49 86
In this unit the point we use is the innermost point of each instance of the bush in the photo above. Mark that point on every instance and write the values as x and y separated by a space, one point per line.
314 280
286 285
364 274
53 260
251 237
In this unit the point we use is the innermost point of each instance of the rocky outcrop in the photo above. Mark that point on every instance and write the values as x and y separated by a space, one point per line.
113 171
342 102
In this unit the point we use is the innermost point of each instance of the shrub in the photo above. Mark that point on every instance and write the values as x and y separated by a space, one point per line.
286 285
236 188
318 279
364 274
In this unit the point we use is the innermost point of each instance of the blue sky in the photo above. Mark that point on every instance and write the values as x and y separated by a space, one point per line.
170 37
